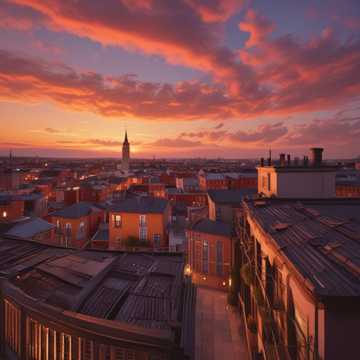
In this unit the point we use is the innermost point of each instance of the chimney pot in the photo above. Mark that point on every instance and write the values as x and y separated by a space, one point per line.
262 162
282 159
316 156
288 159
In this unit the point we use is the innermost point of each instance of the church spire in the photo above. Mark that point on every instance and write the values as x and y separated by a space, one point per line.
126 138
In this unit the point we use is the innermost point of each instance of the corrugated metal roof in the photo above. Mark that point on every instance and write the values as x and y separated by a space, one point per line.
141 289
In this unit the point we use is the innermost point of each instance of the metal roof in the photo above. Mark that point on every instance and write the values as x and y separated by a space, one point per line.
142 289
320 238
29 228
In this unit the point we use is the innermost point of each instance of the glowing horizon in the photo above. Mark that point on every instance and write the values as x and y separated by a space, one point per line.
187 78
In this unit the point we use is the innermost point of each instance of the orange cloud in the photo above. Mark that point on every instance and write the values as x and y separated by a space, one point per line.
173 29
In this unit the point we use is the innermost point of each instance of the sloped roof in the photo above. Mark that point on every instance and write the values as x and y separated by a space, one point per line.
212 227
230 196
76 211
140 205
29 228
319 238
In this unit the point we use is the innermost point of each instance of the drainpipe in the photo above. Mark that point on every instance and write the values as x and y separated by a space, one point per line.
316 342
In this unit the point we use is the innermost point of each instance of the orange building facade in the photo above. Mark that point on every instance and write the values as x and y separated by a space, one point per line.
143 220
76 231
348 190
11 210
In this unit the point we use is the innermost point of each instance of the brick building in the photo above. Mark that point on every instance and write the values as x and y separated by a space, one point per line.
144 219
223 203
209 253
76 224
11 208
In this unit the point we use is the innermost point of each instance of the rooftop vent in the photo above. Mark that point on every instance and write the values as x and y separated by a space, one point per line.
260 203
280 226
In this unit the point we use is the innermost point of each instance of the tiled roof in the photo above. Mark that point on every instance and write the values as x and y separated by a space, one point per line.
140 205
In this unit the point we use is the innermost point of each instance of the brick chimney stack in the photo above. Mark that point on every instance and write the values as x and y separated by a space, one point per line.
316 156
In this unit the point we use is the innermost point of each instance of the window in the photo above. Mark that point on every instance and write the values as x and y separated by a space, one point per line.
142 220
157 238
58 224
117 221
269 181
218 213
12 326
205 257
143 233
219 258
68 231
81 232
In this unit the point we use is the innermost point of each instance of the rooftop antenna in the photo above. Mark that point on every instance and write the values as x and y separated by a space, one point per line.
269 159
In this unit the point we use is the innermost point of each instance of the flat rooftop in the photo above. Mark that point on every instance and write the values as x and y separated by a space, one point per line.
320 238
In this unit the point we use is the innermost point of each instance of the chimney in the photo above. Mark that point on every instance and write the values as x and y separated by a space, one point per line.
306 161
288 159
262 162
316 156
282 159
269 159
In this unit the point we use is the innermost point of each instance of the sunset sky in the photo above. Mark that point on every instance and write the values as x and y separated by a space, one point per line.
187 78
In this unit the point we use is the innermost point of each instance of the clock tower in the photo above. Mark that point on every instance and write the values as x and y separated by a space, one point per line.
125 165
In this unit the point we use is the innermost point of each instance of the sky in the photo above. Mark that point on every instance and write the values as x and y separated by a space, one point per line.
186 78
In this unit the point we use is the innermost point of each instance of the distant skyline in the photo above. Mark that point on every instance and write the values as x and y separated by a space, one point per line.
186 78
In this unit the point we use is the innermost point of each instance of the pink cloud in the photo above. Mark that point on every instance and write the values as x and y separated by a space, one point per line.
173 29
216 10
258 26
29 79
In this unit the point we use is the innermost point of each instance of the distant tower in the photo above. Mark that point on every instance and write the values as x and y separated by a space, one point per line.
125 165
10 158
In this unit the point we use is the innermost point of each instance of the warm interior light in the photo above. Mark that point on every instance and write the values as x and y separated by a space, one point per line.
187 270
204 278
223 283
4 214
230 282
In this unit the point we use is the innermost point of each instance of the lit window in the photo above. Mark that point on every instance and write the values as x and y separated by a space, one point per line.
68 229
142 220
143 233
117 221
205 257
81 233
219 258
5 214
